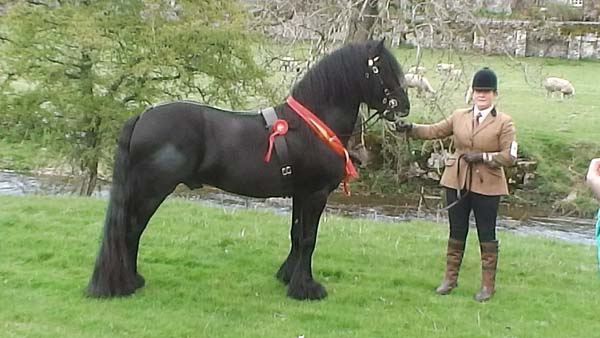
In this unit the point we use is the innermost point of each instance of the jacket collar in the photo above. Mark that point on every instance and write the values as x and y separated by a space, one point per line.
471 109
484 113
486 122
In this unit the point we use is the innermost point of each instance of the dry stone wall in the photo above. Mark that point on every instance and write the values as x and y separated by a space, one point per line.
580 40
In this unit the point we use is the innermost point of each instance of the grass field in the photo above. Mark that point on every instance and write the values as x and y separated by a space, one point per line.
521 93
210 273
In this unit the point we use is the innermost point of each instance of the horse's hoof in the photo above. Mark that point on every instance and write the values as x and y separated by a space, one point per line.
101 286
104 291
308 290
139 281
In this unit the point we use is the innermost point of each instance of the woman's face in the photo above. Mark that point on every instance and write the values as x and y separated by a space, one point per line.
483 99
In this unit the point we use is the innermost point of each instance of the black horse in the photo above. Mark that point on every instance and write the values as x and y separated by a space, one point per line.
194 144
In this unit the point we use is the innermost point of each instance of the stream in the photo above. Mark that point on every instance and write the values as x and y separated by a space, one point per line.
520 221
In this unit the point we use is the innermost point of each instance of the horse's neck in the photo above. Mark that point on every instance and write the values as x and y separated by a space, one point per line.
345 125
339 117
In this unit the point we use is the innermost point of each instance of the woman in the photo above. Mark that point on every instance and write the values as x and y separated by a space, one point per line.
474 177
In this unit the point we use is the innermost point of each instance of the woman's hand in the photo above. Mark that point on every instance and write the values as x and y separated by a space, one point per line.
403 126
473 157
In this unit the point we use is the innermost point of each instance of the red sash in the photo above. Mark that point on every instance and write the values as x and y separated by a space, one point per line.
326 135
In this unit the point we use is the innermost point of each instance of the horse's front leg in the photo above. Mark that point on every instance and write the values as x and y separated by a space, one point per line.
302 285
287 268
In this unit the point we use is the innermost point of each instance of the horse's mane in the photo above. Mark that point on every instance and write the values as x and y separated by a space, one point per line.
337 74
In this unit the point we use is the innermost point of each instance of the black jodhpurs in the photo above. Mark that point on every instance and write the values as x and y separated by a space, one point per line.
485 209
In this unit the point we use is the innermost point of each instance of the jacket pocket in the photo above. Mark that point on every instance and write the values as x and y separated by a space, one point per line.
493 171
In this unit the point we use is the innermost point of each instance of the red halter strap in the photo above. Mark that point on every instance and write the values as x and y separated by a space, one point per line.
326 135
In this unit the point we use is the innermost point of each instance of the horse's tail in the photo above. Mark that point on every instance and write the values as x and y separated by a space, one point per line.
114 273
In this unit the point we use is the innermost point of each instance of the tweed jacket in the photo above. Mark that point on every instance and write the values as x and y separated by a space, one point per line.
495 137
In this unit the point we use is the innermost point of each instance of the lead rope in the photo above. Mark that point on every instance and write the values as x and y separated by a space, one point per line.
467 184
469 168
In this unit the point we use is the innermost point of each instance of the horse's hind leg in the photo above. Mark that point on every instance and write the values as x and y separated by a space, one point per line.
147 198
287 268
302 285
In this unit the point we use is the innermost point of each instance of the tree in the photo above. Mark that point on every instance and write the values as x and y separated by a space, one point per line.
362 21
78 68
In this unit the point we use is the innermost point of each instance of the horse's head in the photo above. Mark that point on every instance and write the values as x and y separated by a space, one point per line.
386 81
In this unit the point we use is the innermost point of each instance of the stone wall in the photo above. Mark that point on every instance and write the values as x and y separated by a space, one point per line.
573 40
577 40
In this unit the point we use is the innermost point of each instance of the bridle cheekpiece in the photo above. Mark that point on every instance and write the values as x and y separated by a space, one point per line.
389 102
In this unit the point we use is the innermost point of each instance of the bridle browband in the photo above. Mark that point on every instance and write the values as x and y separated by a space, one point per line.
388 101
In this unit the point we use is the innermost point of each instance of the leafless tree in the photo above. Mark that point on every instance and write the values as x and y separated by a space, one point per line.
316 27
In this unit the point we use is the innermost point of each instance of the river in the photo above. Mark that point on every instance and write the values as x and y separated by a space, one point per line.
525 222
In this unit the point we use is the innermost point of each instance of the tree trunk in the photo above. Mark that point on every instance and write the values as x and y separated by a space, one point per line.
520 6
92 178
90 153
92 156
362 22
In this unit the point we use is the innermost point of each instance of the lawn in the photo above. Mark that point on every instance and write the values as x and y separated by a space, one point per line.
210 273
521 93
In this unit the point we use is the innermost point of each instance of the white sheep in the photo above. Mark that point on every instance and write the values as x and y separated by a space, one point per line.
286 63
417 70
455 74
419 82
556 84
444 67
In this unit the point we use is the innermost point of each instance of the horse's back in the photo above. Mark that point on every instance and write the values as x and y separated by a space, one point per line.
185 123
197 144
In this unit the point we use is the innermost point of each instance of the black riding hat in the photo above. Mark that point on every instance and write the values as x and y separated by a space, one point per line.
485 79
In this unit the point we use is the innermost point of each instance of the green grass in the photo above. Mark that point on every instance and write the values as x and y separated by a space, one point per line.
209 273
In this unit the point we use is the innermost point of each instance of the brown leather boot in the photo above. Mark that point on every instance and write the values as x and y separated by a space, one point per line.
489 262
456 250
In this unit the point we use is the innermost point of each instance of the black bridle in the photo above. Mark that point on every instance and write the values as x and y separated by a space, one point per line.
388 101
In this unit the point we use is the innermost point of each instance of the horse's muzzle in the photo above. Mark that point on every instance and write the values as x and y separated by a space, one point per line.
394 115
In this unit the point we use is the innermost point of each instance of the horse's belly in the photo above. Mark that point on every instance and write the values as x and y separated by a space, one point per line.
248 179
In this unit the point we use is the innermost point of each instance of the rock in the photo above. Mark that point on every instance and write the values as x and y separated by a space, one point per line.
433 175
436 160
415 170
